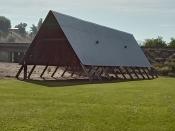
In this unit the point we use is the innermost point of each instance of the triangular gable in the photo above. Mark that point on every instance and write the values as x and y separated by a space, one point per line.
51 47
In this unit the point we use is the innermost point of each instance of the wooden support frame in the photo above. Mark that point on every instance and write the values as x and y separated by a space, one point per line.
96 68
73 71
122 73
64 71
25 72
141 73
80 74
133 70
19 72
90 69
31 71
115 72
126 68
54 71
87 72
146 73
106 73
43 71
99 74
154 72
150 72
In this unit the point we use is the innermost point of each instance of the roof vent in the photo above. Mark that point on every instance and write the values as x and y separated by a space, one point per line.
125 46
97 42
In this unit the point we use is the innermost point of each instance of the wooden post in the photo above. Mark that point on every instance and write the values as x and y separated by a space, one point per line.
55 71
133 70
99 74
94 73
106 73
30 73
146 73
150 73
95 70
80 73
89 69
43 71
18 73
128 72
115 72
141 73
25 71
121 73
154 71
64 71
73 69
101 71
87 73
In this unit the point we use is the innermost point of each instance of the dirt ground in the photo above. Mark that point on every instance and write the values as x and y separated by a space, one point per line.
9 70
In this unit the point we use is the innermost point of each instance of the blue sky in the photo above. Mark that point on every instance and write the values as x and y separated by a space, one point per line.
143 18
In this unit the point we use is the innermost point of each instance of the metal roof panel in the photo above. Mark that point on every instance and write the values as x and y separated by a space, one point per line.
99 45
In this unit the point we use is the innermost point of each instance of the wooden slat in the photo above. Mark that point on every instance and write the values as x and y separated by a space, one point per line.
133 70
122 73
44 71
141 73
64 71
146 73
19 71
25 72
150 73
54 71
87 72
128 73
30 73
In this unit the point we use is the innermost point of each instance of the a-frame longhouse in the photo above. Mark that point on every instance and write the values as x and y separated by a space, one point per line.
86 49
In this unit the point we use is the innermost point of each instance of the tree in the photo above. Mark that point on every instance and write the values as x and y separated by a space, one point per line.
155 42
172 43
5 24
40 22
22 28
34 29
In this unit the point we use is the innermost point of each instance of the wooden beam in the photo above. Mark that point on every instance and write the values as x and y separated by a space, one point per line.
90 69
19 71
99 74
94 73
80 73
106 73
25 72
87 72
44 71
30 73
141 73
122 73
150 73
155 72
133 70
54 71
115 72
64 71
146 73
128 73
95 70
101 71
73 71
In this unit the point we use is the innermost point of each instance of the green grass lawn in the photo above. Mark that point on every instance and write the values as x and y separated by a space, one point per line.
52 106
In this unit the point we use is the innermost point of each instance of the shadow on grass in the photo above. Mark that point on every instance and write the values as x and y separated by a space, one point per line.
73 82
